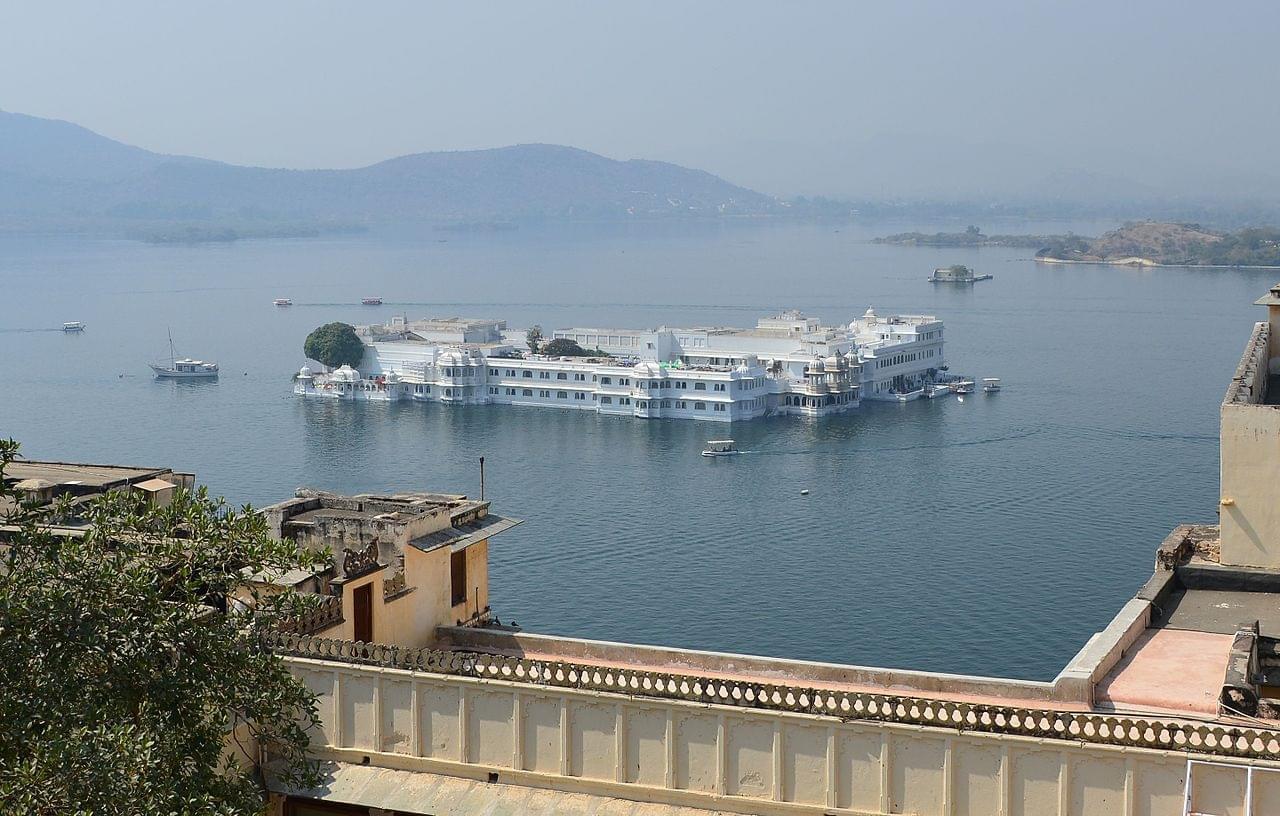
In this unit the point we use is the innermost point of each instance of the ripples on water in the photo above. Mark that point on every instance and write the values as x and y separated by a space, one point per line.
990 536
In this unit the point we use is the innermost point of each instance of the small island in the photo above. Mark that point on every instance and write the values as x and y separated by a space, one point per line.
971 237
1154 243
1138 243
956 273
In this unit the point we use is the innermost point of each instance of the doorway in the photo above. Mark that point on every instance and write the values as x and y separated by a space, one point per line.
362 611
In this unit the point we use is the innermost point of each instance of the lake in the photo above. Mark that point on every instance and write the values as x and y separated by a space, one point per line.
990 536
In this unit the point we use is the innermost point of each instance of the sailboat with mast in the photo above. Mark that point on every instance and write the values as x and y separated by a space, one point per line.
184 368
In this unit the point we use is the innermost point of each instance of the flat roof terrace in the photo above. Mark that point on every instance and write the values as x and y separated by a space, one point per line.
91 477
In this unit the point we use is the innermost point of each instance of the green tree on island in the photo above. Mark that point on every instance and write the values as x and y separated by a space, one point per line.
564 347
126 674
533 338
334 344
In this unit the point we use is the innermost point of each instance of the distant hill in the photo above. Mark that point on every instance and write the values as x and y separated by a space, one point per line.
1168 244
57 174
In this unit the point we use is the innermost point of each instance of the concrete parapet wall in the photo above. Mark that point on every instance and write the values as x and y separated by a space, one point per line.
747 760
550 647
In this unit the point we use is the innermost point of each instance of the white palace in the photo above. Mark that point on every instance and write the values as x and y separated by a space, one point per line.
787 364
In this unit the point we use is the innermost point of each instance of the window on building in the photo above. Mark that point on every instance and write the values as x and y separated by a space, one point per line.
511 392
562 395
699 386
458 576
529 374
493 372
544 394
545 375
699 406
579 395
605 381
528 392
560 375
719 386
719 406
606 400
580 377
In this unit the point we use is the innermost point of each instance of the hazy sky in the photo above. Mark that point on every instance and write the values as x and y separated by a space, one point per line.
891 98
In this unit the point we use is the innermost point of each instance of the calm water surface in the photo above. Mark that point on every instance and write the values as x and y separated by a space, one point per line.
990 536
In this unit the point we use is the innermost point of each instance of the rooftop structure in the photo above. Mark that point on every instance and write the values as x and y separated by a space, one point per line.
787 364
385 549
435 330
47 482
1170 709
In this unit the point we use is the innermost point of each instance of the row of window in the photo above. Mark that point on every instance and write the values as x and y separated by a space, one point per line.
898 359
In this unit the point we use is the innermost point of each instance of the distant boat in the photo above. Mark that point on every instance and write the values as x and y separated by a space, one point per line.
965 387
908 396
991 384
935 390
73 326
371 301
720 447
282 302
184 368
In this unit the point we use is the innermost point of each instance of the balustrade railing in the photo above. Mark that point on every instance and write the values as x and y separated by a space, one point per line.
1072 726
326 614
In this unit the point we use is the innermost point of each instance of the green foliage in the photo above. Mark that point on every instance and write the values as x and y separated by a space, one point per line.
125 674
564 347
533 338
334 344
1248 247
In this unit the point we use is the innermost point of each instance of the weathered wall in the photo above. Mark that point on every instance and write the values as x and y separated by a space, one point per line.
742 759
1250 511
1249 448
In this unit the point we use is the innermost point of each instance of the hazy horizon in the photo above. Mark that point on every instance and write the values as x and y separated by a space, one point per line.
927 99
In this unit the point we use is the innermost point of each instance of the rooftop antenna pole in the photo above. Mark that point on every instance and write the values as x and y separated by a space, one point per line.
481 478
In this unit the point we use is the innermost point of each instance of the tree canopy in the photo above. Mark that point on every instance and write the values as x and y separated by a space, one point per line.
533 338
126 674
564 347
334 344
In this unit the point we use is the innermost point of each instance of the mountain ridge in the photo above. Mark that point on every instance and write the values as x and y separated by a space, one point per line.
59 172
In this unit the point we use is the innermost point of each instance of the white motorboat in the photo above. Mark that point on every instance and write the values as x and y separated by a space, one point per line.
282 302
720 447
908 396
991 384
935 390
371 301
964 386
184 368
73 326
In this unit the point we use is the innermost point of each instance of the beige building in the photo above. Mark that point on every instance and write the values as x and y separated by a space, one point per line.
1171 709
403 565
